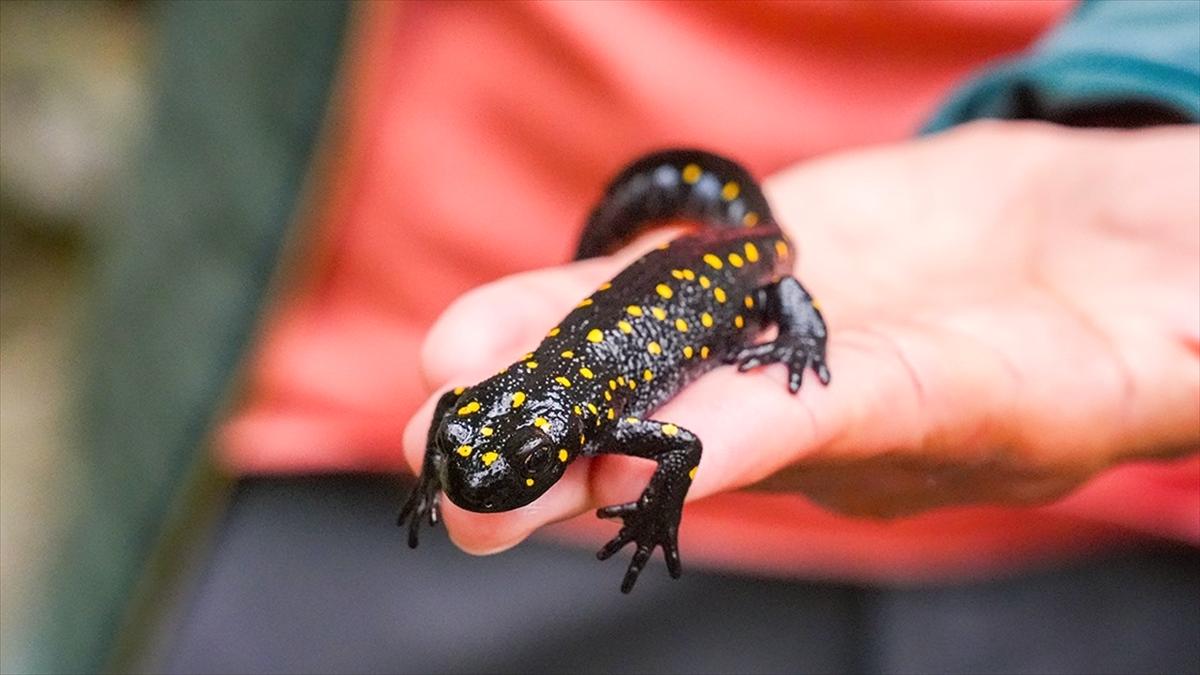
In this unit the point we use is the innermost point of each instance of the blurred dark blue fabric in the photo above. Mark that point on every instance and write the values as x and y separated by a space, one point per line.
310 575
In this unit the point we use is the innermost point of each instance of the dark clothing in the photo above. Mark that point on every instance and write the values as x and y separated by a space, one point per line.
312 575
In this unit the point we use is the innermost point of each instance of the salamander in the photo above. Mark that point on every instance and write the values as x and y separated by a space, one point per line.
693 304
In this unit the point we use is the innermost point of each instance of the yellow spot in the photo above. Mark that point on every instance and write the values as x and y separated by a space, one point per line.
585 302
691 173
459 390
568 354
815 305
664 290
608 396
659 313
750 219
704 281
751 252
621 380
594 335
582 440
625 327
529 482
688 351
749 302
634 310
704 352
647 375
518 399
781 247
678 274
527 356
681 325
719 294
654 348
592 409
578 411
531 364
541 423
553 332
736 260
464 450
706 319
611 414
632 420
562 455
586 372
670 429
486 431
713 261
689 275
692 473
488 458
612 384
739 321
605 286
563 381
632 384
469 408
730 191
663 246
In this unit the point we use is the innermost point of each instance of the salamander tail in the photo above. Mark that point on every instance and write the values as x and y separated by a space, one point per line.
684 184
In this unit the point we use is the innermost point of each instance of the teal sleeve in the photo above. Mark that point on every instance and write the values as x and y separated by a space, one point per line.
1146 52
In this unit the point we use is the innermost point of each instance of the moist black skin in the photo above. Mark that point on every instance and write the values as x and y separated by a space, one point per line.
694 304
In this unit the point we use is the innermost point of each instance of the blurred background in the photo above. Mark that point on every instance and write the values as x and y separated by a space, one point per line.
122 312
73 106
154 161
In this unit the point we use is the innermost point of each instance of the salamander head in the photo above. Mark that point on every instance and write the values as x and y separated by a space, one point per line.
503 448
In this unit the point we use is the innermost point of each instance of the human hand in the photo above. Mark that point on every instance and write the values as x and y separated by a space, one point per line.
1012 308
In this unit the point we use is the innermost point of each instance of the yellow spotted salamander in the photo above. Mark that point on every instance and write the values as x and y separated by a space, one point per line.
677 312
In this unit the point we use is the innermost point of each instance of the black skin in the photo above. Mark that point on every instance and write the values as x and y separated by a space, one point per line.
674 314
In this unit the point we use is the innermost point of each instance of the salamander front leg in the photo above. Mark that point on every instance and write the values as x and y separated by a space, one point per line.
653 520
802 334
424 501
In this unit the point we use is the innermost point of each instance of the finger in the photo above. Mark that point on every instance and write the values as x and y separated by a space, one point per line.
822 371
796 377
635 566
615 544
433 512
616 511
487 533
491 326
518 311
750 425
413 528
671 555
416 432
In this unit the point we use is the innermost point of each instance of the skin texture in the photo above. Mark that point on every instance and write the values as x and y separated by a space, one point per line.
690 305
1012 307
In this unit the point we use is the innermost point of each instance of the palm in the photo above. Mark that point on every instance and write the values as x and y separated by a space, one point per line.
1000 328
996 335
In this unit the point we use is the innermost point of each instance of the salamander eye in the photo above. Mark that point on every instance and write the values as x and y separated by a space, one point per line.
451 435
538 460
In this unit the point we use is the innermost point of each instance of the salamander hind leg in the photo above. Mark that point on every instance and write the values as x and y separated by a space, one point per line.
802 334
423 502
652 520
